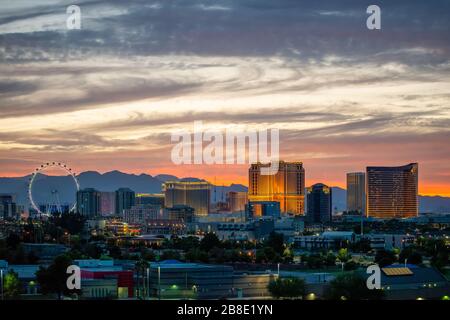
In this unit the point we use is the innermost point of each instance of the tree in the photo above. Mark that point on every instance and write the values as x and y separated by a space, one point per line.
362 245
13 240
276 242
72 222
141 268
288 255
287 288
267 254
93 251
314 261
440 260
115 252
330 259
12 285
384 258
186 243
343 255
217 255
53 279
148 254
350 265
170 255
209 241
197 255
351 286
411 255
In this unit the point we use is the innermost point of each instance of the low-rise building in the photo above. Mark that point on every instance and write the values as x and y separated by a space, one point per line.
326 240
101 289
182 213
140 214
389 241
25 273
412 282
256 229
103 271
46 252
165 227
177 280
256 209
289 226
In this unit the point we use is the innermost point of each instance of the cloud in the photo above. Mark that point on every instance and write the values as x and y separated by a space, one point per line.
137 70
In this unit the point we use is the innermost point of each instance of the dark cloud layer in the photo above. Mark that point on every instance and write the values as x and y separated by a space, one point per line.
342 95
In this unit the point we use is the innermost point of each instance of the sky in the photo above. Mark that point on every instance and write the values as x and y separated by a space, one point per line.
109 96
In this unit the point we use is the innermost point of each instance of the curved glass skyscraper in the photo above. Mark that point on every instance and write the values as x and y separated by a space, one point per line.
392 192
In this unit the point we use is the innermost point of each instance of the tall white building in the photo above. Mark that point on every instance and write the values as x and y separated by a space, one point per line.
356 191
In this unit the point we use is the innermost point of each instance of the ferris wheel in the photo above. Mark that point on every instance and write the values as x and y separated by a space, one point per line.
54 193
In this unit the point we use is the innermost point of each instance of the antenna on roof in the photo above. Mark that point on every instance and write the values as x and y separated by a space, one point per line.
215 190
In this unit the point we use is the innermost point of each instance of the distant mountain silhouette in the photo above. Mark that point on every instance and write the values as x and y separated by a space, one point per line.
427 204
144 183
166 177
109 181
339 199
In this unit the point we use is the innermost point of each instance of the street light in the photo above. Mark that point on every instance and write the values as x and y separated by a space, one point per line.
159 283
148 283
1 280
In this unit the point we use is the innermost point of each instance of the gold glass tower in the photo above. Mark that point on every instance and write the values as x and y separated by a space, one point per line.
287 186
392 192
356 192
193 194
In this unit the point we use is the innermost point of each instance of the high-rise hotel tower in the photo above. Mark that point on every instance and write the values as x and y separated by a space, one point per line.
193 194
319 199
287 186
392 192
356 192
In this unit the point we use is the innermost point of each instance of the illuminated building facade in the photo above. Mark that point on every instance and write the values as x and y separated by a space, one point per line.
392 192
125 199
286 186
150 198
263 209
181 213
193 194
356 192
139 214
88 202
319 203
108 203
237 201
8 206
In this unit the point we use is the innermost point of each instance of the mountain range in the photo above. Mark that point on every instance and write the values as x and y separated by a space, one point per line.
43 185
110 181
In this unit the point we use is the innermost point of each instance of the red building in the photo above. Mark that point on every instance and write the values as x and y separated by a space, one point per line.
124 278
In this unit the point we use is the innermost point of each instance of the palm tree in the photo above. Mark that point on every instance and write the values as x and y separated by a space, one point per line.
141 266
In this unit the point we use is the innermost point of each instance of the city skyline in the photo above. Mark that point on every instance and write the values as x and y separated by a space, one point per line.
109 96
244 180
224 158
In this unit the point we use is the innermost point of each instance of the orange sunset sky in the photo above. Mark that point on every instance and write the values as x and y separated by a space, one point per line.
109 96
